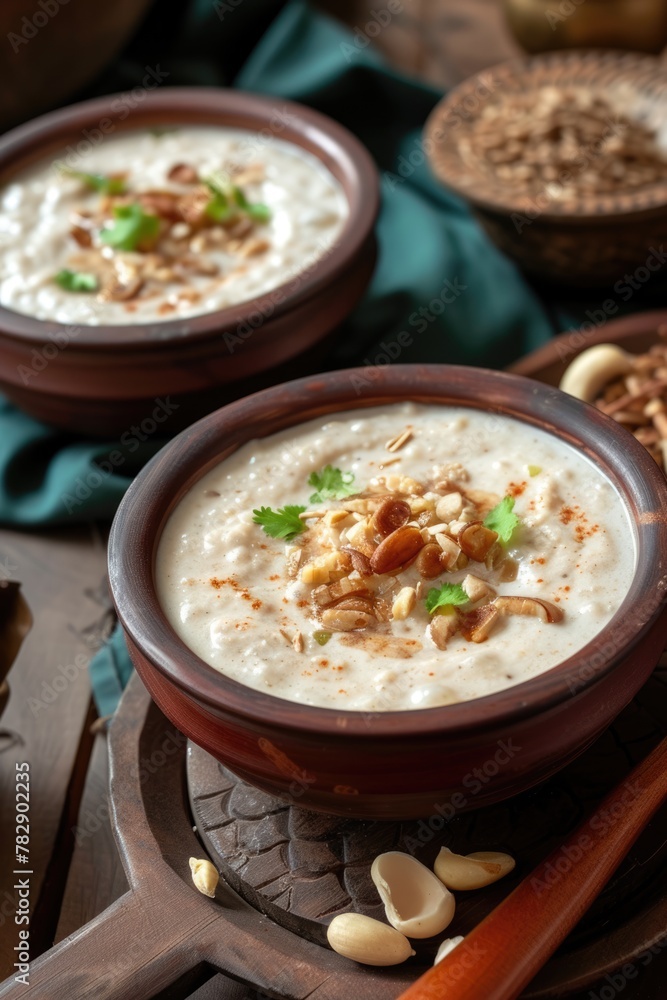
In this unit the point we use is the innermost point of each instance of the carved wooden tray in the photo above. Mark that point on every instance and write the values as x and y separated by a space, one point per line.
301 868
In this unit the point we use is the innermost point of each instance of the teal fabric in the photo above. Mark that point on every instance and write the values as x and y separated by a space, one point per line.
438 277
430 248
110 670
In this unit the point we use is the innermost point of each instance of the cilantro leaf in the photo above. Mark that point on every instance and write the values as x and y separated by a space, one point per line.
503 520
228 199
331 484
99 182
449 595
131 228
282 523
219 207
76 281
257 211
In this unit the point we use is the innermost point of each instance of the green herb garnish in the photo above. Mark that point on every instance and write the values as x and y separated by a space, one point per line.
449 595
257 211
131 228
321 638
228 200
99 182
282 523
503 520
331 484
534 470
76 281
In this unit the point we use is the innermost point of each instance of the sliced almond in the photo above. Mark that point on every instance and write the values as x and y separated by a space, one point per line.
477 625
534 606
475 540
396 549
397 443
335 518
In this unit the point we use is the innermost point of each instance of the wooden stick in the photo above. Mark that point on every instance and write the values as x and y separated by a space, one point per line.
500 956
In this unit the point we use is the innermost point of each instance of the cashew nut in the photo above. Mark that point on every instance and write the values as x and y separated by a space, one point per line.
590 372
366 940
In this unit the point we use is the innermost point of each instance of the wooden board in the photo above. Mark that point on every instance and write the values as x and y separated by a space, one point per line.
46 720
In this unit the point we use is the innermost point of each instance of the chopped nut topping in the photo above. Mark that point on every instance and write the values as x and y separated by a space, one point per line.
390 515
404 603
396 549
395 444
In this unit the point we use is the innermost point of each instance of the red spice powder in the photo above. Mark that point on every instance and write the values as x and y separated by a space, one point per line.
516 489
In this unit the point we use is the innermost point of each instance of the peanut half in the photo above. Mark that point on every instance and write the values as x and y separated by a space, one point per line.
204 876
472 871
366 940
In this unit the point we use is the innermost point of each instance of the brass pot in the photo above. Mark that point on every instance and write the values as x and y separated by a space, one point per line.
542 25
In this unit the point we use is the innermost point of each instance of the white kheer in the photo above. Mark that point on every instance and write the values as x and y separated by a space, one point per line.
163 225
419 585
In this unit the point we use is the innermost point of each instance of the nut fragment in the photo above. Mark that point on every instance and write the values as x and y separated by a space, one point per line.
451 553
476 626
412 895
366 940
337 620
544 610
404 603
471 871
443 627
430 561
360 562
183 173
477 589
390 515
395 444
449 507
396 549
475 540
204 876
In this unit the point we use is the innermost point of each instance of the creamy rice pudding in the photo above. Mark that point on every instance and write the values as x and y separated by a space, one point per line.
163 225
395 558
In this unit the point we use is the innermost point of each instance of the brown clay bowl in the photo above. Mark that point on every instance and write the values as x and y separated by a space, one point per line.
100 380
53 48
594 240
635 334
429 762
